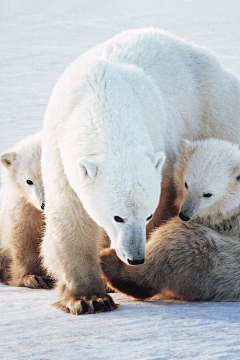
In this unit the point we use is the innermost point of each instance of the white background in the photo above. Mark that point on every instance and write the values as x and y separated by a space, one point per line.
38 39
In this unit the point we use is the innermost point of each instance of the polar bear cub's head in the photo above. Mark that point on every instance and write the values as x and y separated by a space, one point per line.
123 201
207 178
21 167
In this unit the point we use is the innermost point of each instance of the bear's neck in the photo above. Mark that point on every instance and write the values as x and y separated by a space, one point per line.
228 224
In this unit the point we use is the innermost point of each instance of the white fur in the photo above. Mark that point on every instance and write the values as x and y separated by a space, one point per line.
196 260
20 164
111 115
96 157
202 172
21 216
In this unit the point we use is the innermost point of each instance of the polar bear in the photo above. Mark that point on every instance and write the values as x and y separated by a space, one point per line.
21 215
194 256
112 118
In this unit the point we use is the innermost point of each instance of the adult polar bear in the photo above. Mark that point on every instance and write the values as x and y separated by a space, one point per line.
111 117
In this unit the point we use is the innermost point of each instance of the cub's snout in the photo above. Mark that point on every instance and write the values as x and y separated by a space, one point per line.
183 216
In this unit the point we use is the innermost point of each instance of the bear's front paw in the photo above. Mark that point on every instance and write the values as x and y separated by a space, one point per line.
87 304
37 282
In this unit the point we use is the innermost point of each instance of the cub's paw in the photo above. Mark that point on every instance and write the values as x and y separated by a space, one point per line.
111 265
37 282
107 286
129 280
87 304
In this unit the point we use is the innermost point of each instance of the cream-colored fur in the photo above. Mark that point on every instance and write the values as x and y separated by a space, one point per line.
21 215
112 116
195 259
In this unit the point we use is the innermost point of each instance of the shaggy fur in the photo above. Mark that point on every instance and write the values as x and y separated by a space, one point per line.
112 116
21 216
196 259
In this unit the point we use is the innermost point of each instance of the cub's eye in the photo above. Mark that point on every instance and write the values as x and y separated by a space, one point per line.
186 185
207 195
149 218
118 219
29 182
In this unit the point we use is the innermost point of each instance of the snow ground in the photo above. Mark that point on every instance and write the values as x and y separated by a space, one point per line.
38 39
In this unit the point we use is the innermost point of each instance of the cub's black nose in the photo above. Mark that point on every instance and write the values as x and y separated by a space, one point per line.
42 206
136 262
183 217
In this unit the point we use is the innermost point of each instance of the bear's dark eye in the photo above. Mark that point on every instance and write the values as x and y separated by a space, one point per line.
149 218
118 219
29 182
238 178
186 185
207 195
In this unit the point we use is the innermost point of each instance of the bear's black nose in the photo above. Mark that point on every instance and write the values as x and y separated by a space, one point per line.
183 217
42 206
136 262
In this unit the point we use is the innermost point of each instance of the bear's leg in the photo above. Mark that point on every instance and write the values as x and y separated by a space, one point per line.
25 234
71 253
155 275
21 273
104 242
130 280
178 259
69 248
5 263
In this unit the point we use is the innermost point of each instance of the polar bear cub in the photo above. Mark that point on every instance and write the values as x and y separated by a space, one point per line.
194 256
21 215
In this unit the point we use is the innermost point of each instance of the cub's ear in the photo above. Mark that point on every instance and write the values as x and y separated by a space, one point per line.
159 159
8 158
184 146
87 168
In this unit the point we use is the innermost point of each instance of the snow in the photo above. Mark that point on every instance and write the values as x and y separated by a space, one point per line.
39 38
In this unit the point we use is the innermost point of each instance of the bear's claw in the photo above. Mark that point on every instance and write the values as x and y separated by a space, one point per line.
87 304
37 282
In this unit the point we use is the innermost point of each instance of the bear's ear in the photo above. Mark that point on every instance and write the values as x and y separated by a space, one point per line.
87 168
159 159
8 158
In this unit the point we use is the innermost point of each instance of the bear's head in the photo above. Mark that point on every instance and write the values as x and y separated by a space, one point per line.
108 155
207 178
121 197
21 167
